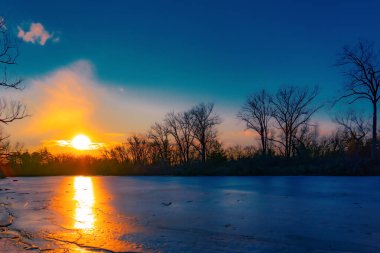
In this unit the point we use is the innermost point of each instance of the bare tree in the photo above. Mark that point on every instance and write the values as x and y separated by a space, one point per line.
7 150
117 153
354 127
180 126
292 108
139 149
159 134
238 152
9 110
307 140
204 122
256 113
332 144
361 67
5 147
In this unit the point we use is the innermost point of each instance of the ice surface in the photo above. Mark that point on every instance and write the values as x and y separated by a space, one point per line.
190 214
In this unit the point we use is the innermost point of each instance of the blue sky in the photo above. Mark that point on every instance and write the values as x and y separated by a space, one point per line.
198 50
224 48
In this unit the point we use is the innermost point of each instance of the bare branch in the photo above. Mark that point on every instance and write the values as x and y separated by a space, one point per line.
292 109
361 66
256 113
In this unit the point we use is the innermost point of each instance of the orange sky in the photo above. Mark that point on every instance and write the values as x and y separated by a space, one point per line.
71 101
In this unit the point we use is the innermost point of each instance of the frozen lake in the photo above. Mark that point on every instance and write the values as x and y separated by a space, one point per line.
190 214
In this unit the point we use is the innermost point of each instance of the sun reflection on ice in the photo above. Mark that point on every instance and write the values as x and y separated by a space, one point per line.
84 198
87 219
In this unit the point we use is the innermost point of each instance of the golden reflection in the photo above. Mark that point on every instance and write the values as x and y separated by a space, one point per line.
87 218
84 198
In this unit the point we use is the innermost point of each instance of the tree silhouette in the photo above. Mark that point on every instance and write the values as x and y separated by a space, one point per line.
204 122
354 127
256 113
361 67
159 135
292 109
10 110
139 149
181 127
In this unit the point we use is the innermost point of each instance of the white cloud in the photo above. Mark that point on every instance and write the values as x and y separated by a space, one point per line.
36 34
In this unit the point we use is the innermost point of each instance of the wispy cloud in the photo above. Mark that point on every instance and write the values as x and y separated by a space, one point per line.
36 34
72 100
69 143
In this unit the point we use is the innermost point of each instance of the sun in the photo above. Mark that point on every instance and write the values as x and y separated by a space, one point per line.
81 142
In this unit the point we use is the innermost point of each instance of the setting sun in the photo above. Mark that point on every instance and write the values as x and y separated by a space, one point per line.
81 142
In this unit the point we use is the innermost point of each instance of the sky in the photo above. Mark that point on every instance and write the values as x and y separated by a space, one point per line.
112 68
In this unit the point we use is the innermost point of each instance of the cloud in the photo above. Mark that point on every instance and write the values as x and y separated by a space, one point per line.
69 143
71 100
36 34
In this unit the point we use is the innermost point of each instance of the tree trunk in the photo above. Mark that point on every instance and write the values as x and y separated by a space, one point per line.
374 132
263 142
287 145
203 153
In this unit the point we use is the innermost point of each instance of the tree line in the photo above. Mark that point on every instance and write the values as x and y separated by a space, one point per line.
282 121
181 138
